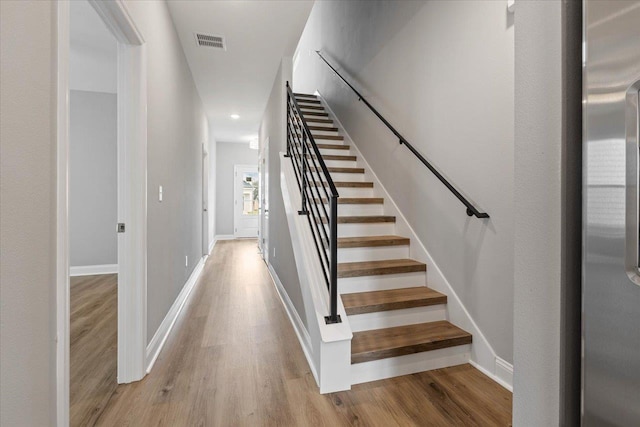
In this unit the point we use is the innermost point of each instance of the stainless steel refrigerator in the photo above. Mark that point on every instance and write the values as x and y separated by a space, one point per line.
611 244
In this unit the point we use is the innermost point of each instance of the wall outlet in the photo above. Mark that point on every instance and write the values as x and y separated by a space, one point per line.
274 252
160 193
186 261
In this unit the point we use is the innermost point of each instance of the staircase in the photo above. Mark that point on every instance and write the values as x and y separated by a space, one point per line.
399 324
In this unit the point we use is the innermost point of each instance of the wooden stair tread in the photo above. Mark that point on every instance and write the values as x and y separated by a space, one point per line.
378 268
340 170
338 157
372 241
312 107
325 128
317 120
391 299
360 200
401 340
356 200
308 100
333 146
366 219
332 137
305 95
349 184
314 113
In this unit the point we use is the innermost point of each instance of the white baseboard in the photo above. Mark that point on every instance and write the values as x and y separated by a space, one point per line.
212 245
294 317
224 237
503 372
159 338
92 270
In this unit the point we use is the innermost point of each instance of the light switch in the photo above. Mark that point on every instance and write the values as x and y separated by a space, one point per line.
160 193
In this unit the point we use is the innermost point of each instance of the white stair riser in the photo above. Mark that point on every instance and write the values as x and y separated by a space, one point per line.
335 152
318 133
348 285
347 177
409 364
311 114
322 125
355 191
351 210
392 318
340 163
372 253
365 229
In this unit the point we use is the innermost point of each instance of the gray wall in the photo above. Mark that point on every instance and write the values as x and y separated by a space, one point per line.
93 204
442 73
27 214
177 128
229 154
273 126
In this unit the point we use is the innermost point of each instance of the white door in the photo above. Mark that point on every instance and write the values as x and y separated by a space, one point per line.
246 201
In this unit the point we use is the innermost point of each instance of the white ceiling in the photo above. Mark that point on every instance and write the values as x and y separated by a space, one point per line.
93 51
238 81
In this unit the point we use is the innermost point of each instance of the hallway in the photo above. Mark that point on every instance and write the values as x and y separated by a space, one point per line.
233 359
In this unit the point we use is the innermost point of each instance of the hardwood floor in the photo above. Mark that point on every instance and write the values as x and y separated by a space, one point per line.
233 359
93 352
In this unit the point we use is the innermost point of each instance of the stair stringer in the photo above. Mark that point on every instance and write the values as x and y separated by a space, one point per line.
482 354
330 344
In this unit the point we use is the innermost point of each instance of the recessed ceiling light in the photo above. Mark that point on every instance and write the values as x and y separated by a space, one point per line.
235 116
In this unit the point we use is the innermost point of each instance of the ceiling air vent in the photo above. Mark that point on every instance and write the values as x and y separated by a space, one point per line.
209 40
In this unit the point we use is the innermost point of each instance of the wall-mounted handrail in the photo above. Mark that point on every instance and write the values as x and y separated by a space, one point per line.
471 210
316 186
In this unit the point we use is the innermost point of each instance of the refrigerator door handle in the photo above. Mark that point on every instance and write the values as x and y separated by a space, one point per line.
632 113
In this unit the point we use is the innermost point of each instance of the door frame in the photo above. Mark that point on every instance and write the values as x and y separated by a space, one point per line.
264 200
132 197
205 199
237 209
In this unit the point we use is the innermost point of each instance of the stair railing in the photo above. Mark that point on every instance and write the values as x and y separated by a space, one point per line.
471 210
316 189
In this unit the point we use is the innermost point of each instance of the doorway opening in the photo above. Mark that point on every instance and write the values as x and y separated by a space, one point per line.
93 214
129 222
246 201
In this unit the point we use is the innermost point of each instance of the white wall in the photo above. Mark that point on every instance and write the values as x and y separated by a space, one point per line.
229 154
273 126
27 213
177 128
93 193
442 74
538 196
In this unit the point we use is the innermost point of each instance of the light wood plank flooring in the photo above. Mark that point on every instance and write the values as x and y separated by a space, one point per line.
93 352
233 359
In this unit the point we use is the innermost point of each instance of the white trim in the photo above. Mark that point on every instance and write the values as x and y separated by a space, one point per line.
62 215
483 355
161 335
132 169
224 237
212 245
296 321
92 270
504 373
